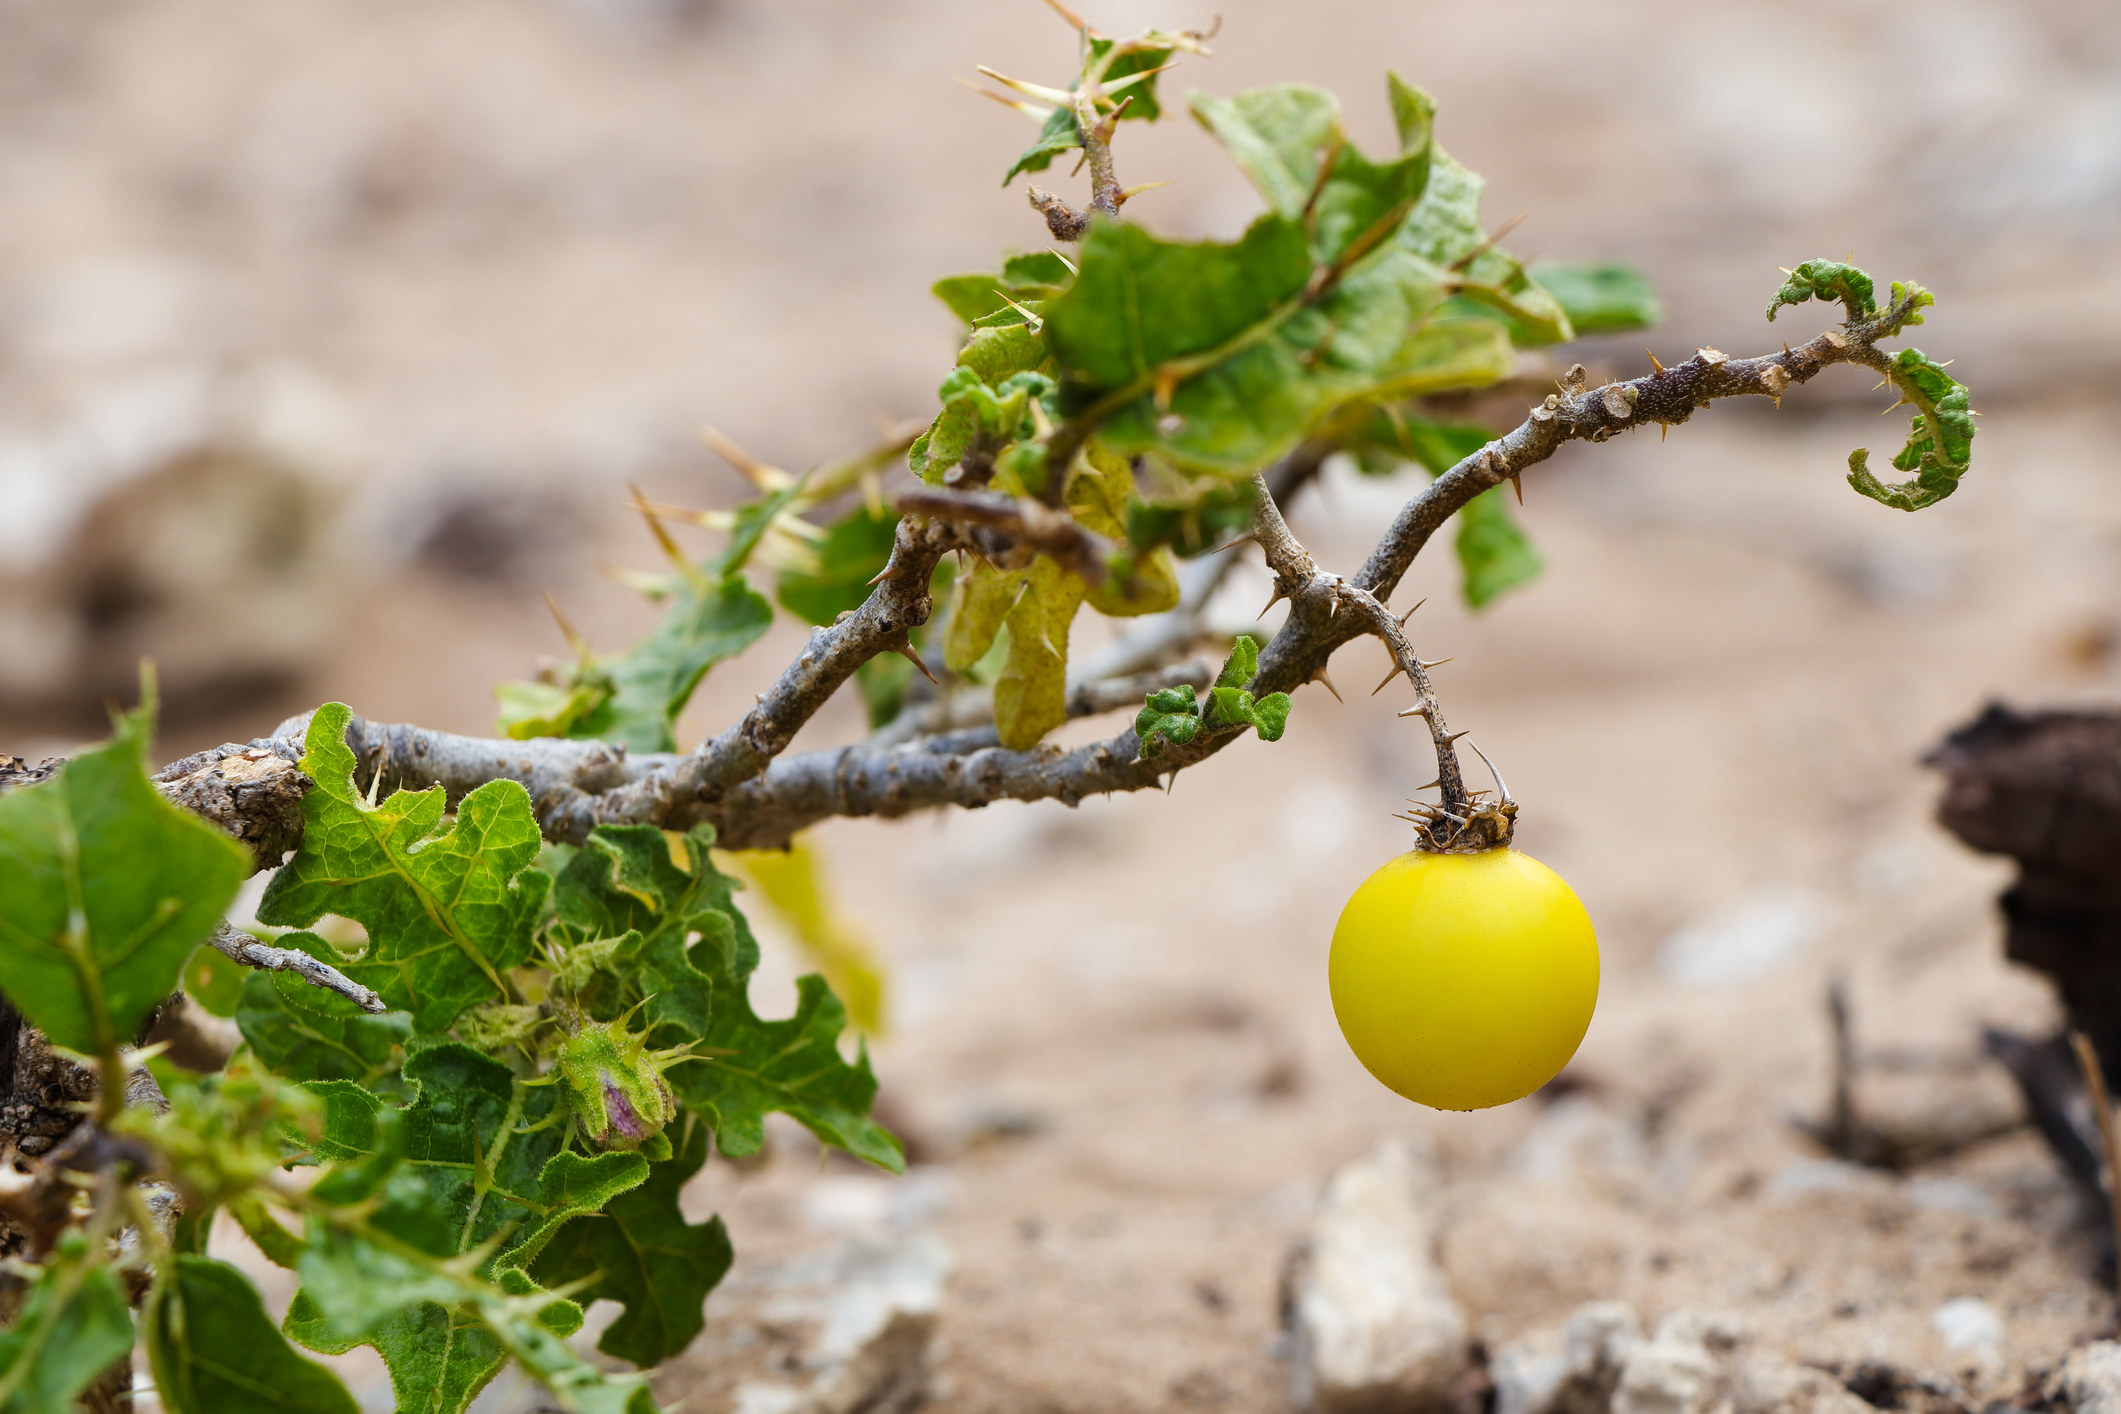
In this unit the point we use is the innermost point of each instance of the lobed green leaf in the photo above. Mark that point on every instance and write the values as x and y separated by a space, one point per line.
641 1253
447 911
73 1325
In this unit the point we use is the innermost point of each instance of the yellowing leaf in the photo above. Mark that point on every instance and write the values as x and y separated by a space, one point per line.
1031 695
981 602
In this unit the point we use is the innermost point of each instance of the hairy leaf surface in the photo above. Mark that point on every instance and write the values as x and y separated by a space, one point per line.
641 1253
215 1351
303 1032
624 879
447 911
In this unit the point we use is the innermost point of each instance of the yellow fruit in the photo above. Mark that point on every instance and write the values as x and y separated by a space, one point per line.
1464 980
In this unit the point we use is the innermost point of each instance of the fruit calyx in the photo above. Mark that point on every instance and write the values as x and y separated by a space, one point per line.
1464 821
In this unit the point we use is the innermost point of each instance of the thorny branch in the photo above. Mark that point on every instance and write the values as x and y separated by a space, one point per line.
758 797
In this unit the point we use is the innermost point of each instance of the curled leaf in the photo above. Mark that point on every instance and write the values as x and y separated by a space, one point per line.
1939 443
1828 280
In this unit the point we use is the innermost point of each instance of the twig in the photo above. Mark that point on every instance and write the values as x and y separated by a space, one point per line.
2110 1152
242 947
1052 533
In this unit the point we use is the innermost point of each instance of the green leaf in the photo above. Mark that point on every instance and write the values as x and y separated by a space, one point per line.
1026 279
1445 230
483 1169
303 1032
1060 134
1140 303
1601 299
793 1066
709 619
624 880
213 1350
640 1252
1827 280
855 548
441 1352
74 1324
464 1142
1435 446
447 911
1231 705
1031 695
1170 715
1939 443
105 887
1492 551
533 709
1256 406
1282 136
1234 707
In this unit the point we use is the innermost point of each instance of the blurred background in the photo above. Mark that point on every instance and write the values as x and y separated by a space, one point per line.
333 333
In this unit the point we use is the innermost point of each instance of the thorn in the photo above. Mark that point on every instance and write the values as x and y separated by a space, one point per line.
1786 348
1057 97
1038 111
1278 597
1653 361
1126 193
1465 262
1396 671
1438 663
914 658
1063 260
1436 784
1030 318
1664 427
888 571
1456 735
1074 19
1322 680
1517 483
1410 613
1419 709
579 644
1501 787
760 475
662 536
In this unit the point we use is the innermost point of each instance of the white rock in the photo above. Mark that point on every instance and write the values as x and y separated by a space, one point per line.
1572 1371
1375 1325
873 1307
1674 1372
1970 1325
2089 1382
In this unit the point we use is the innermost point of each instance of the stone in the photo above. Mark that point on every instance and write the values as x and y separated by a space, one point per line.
2089 1382
1571 1371
1373 1322
867 1312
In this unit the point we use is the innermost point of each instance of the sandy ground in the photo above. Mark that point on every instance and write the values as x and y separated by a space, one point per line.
518 250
